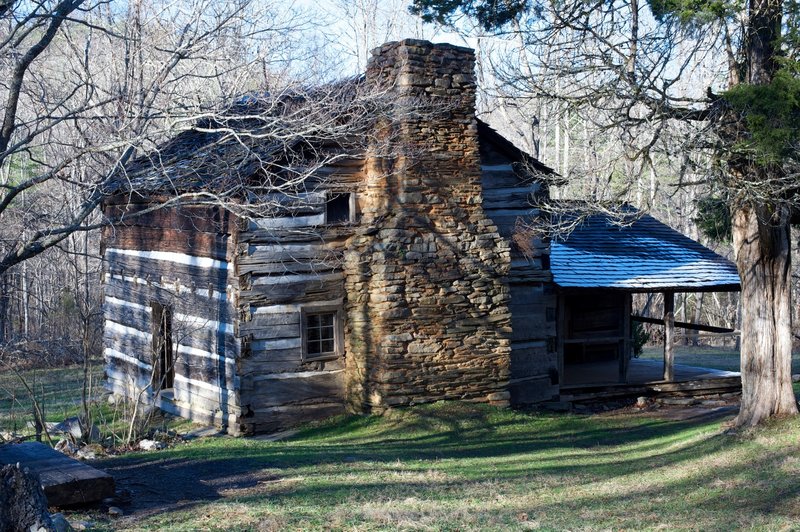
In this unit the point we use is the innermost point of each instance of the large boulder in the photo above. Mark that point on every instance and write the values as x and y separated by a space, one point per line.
23 506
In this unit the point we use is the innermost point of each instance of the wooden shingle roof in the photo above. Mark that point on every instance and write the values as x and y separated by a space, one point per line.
201 158
258 132
644 256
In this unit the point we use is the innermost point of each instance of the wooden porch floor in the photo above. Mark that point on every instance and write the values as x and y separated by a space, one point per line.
644 371
645 377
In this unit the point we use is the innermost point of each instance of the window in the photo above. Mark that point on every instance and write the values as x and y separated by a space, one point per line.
339 207
321 335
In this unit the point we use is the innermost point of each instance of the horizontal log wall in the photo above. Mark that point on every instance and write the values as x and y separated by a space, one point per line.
509 195
184 259
189 219
286 264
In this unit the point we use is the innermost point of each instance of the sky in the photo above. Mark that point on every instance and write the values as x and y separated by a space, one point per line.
357 26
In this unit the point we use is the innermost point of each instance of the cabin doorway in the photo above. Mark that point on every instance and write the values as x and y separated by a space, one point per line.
595 337
163 358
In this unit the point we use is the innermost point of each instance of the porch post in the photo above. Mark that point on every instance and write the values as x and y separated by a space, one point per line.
669 336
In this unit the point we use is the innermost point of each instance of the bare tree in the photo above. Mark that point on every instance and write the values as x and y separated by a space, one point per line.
93 83
91 86
359 26
116 94
92 115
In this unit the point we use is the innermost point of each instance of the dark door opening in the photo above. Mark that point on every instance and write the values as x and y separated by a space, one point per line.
163 361
595 338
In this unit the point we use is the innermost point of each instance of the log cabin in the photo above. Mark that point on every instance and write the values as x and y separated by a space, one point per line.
387 278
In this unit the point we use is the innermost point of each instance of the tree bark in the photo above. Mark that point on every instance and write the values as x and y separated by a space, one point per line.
4 301
762 246
763 38
23 504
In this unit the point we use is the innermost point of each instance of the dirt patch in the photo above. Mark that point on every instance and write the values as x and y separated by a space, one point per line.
690 413
700 414
694 409
154 485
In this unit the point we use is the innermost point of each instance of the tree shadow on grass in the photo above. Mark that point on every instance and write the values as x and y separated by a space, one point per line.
467 445
722 496
698 501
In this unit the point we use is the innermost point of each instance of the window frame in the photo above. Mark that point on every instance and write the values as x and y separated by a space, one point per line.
338 332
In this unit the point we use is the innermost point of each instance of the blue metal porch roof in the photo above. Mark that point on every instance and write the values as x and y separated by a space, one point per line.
645 256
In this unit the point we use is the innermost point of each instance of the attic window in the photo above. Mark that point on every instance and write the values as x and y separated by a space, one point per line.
339 208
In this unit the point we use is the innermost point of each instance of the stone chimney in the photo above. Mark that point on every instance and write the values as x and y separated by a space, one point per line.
427 301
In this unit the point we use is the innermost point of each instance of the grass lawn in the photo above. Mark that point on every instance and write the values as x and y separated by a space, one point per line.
472 467
725 358
57 389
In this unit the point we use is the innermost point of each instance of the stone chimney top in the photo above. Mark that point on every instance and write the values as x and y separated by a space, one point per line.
436 69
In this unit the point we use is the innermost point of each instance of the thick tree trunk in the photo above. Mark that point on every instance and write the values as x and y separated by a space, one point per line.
762 246
23 504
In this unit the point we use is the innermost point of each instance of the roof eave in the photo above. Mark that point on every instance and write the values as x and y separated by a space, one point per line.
728 287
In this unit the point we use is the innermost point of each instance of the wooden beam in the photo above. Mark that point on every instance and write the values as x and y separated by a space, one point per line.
65 481
595 341
669 336
684 325
627 343
716 336
561 327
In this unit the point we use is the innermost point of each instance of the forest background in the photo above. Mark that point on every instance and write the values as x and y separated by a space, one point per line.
117 78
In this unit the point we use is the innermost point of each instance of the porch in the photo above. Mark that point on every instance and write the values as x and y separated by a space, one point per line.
646 378
596 268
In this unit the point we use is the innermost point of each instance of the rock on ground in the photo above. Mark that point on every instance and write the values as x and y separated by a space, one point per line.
74 428
151 445
60 523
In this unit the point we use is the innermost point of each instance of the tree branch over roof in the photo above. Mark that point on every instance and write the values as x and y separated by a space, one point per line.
91 88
